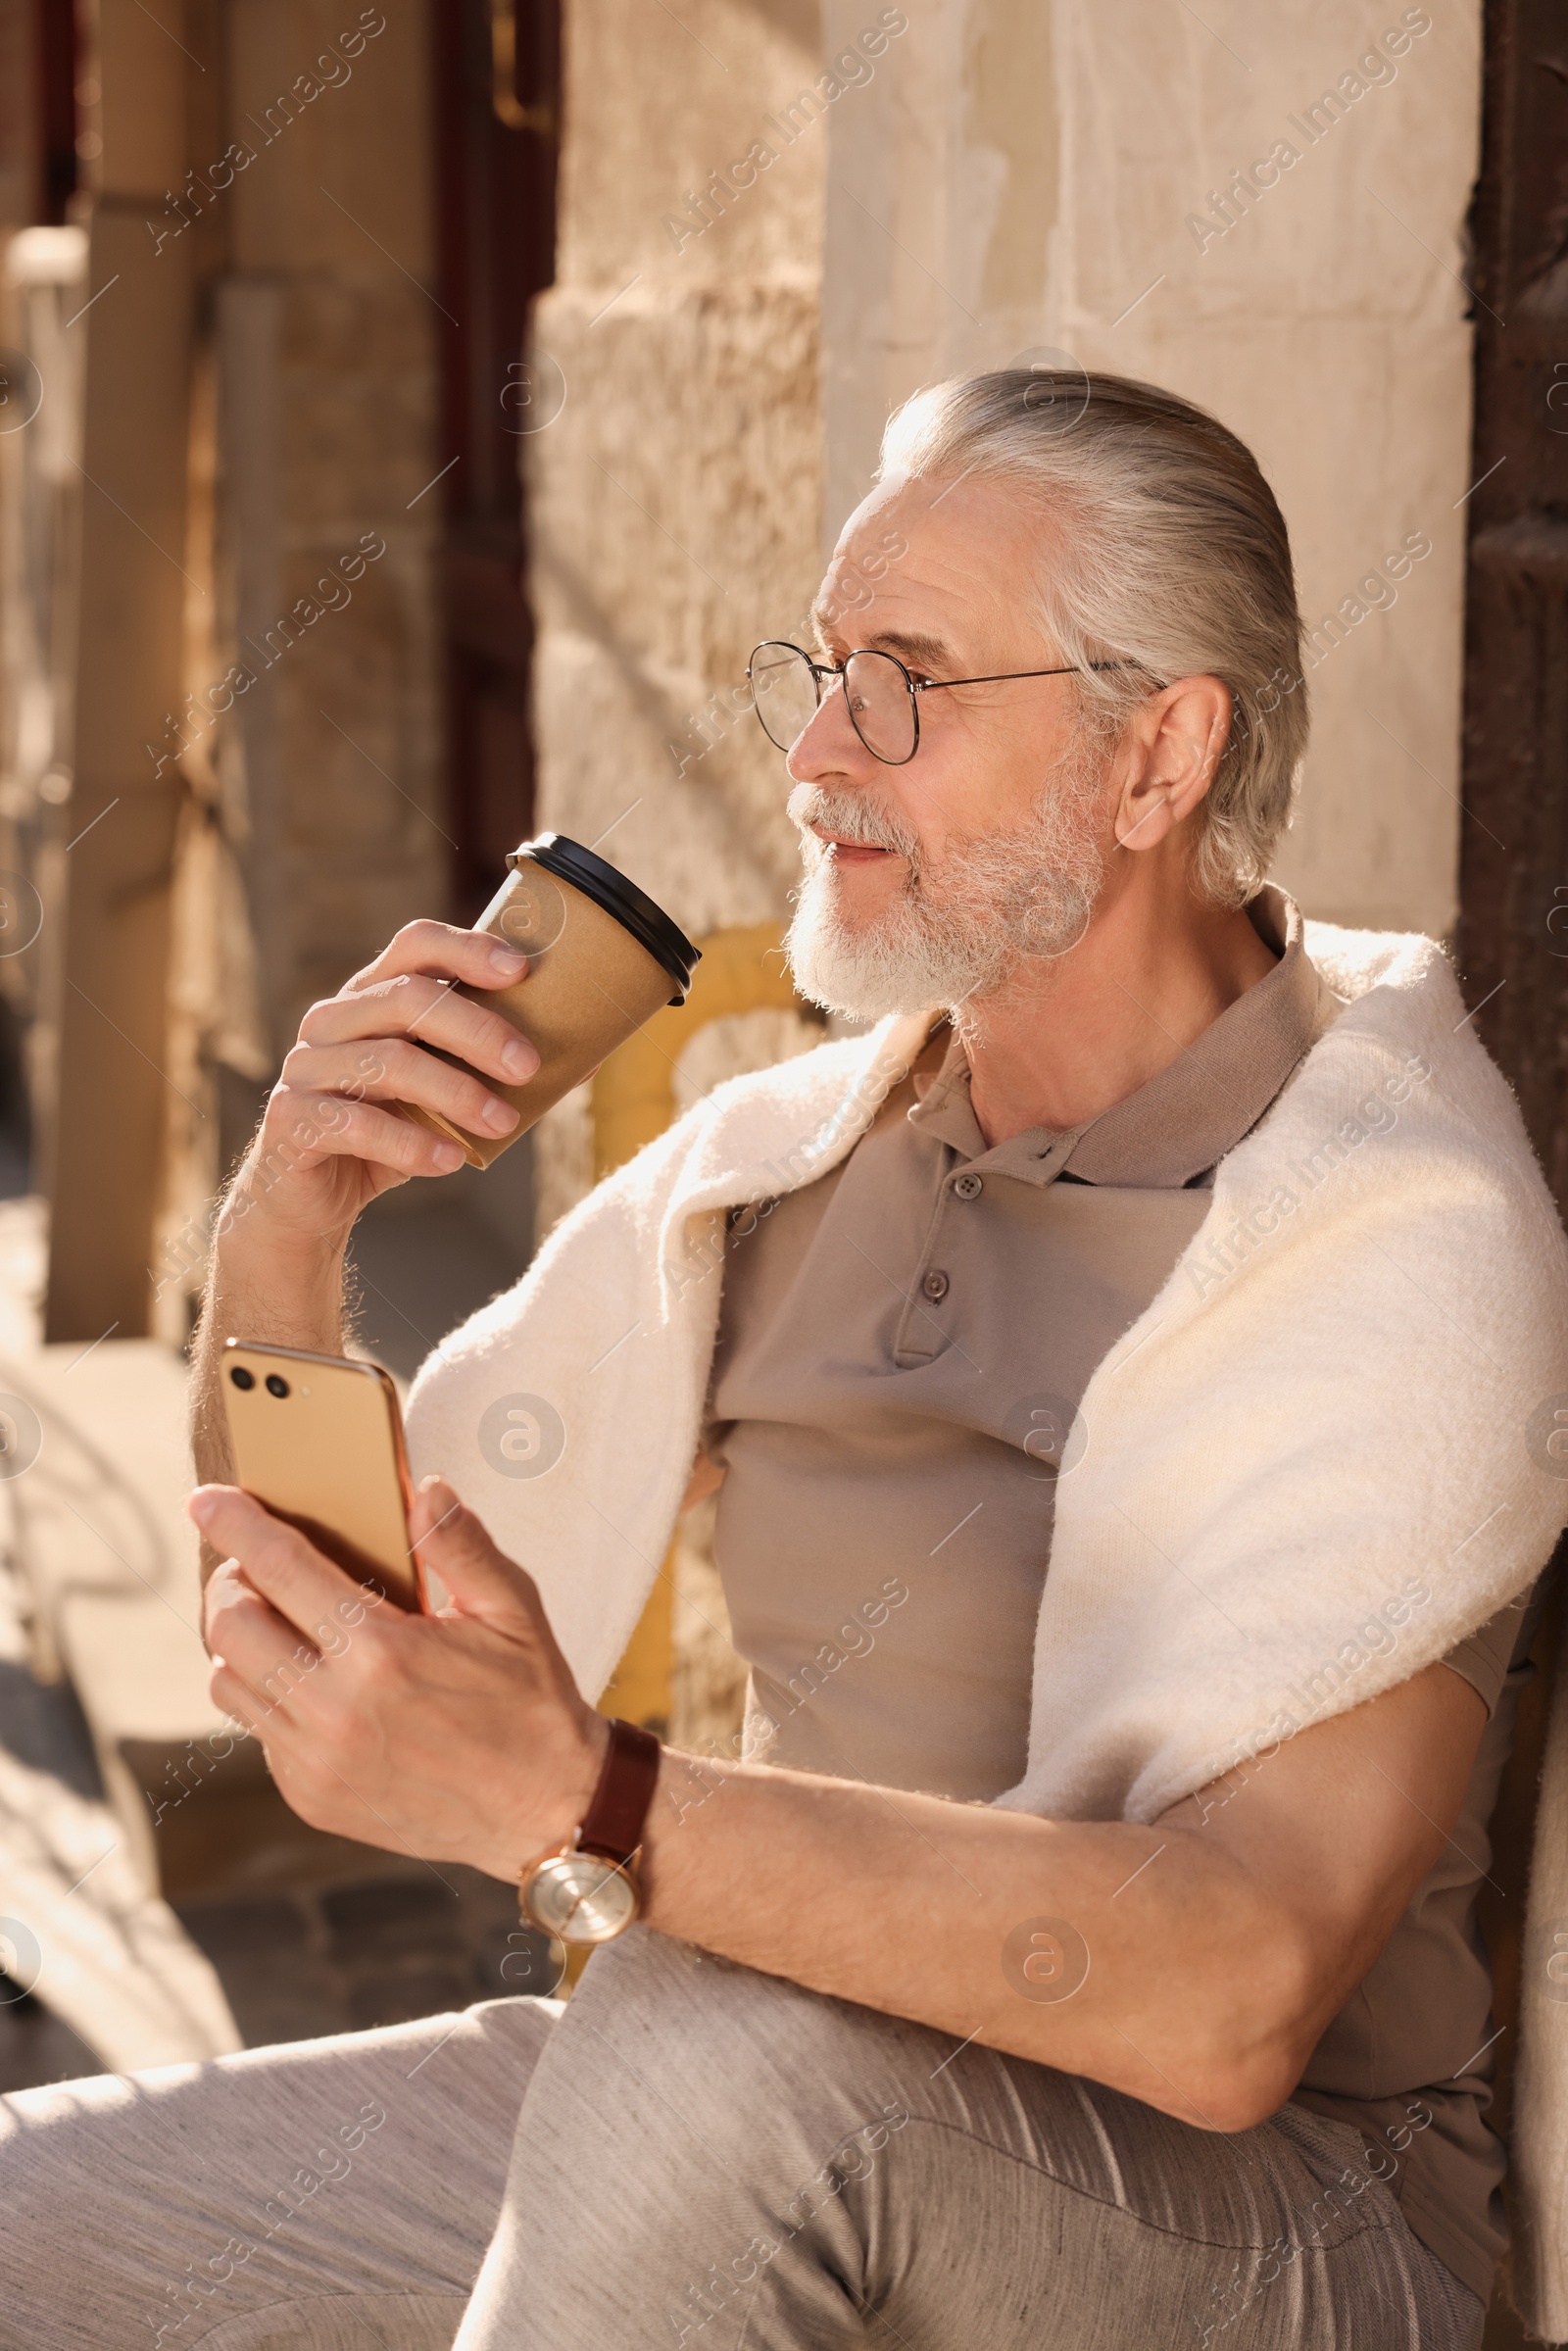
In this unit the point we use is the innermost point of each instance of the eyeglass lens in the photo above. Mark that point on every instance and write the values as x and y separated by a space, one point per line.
784 692
785 688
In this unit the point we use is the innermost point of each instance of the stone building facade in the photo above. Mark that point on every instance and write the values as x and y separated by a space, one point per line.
775 221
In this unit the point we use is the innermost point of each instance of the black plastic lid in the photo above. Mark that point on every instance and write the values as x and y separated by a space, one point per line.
608 887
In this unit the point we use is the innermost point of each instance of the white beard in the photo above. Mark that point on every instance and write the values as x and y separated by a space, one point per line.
960 931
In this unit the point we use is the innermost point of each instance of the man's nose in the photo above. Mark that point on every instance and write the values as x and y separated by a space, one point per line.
828 745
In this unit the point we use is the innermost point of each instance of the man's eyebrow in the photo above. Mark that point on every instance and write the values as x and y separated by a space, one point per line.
910 646
926 653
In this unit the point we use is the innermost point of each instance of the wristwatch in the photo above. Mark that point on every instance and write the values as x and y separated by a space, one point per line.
586 1891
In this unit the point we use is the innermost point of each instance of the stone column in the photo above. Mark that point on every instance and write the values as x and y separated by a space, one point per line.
112 1081
310 742
328 447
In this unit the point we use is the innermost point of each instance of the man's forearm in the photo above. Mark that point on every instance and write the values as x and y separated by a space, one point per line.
399 1032
1035 1937
260 1288
1193 1962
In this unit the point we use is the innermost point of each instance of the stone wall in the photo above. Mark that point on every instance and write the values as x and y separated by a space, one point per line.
1017 178
675 497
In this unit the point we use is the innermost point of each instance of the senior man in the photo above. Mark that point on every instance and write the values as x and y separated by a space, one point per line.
1117 1370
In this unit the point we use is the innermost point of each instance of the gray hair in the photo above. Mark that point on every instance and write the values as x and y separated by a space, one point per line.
1174 559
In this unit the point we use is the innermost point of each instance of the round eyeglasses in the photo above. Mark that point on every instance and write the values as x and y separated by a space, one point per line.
881 697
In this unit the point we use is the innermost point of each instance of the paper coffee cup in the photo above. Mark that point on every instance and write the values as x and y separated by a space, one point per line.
601 959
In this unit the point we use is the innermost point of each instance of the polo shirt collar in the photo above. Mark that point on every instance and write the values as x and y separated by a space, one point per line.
1175 1128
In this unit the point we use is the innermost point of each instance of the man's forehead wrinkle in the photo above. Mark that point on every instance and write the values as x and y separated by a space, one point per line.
945 595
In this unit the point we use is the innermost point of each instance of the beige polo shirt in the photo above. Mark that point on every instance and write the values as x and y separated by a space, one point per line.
902 1348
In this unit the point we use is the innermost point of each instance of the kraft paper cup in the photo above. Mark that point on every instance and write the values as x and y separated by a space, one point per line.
602 958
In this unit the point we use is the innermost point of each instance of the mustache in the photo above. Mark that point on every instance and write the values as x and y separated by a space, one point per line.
852 818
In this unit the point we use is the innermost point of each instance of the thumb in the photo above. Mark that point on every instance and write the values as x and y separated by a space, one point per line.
480 1580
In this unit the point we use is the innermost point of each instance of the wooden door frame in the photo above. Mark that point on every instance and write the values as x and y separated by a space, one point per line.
495 147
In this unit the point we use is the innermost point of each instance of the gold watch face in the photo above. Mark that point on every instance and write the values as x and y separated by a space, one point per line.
580 1897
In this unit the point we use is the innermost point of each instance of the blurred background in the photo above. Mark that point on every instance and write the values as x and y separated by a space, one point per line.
409 416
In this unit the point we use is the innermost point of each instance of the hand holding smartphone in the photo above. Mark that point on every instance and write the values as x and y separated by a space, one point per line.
319 1440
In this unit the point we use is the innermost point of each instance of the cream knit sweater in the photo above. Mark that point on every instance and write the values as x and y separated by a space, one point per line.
1326 1454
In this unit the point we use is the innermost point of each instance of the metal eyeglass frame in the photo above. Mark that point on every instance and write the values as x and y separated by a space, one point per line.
914 686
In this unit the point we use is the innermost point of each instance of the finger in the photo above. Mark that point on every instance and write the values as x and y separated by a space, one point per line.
219 1591
301 1585
299 1770
268 1658
482 1581
225 1586
394 1070
248 1631
301 1130
441 951
433 1013
230 1696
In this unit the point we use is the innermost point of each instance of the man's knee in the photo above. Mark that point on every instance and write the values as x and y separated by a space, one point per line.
726 2045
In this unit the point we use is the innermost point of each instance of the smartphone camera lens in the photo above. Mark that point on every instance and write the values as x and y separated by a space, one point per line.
277 1385
241 1377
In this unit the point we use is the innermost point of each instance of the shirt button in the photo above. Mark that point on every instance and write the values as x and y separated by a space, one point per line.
935 1285
969 1187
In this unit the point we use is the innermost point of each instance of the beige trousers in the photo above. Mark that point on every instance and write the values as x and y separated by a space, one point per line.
689 2155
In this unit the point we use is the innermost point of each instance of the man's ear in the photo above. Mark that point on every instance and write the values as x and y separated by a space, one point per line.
1170 751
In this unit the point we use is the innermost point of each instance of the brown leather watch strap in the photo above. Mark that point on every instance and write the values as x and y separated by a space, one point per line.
614 1822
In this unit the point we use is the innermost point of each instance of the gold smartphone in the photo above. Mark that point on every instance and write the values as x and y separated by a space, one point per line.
318 1439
